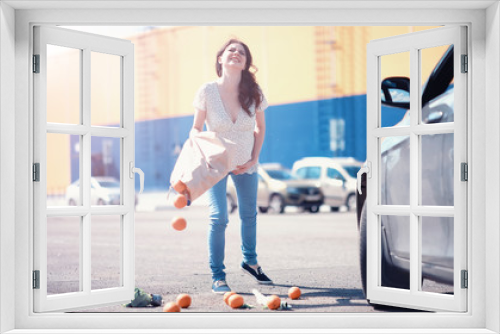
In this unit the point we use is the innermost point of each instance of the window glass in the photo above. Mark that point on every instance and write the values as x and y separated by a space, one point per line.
352 170
309 173
334 174
437 82
395 89
63 84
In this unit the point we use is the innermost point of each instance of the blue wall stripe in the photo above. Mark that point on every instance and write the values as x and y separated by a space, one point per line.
293 131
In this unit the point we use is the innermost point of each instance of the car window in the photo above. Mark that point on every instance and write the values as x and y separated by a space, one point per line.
312 173
280 174
352 170
332 173
109 184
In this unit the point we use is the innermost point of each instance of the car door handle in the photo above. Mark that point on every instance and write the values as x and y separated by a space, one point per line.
139 171
367 170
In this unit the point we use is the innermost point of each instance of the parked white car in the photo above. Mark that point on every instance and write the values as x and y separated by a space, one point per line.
103 191
336 177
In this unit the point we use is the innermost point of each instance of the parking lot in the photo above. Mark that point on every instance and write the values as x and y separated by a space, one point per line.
316 252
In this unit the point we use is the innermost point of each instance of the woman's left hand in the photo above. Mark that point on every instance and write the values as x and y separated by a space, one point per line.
243 168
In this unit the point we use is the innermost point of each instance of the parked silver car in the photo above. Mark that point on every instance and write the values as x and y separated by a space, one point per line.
336 177
437 180
278 188
104 191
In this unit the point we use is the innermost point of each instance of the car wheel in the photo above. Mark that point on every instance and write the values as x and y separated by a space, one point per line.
263 209
350 202
391 276
231 205
72 202
276 204
334 209
314 209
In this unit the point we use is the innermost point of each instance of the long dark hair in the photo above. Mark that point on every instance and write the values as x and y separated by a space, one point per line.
248 90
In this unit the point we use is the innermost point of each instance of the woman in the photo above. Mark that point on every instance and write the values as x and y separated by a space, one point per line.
233 106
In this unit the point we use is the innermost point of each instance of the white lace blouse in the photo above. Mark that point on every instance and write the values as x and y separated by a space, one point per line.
218 120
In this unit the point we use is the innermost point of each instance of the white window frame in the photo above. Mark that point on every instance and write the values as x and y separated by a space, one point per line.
484 212
414 210
86 44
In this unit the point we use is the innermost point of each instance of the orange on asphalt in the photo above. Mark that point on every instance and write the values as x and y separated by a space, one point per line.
273 302
184 300
236 301
171 307
180 201
179 223
294 292
227 295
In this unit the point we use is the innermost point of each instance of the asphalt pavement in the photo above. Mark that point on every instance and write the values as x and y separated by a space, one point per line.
316 252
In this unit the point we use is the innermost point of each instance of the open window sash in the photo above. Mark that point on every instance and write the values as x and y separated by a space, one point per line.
55 287
409 226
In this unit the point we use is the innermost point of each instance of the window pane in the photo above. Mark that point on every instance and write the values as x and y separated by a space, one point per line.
395 89
63 169
106 252
394 170
309 172
105 169
437 87
63 255
437 254
105 89
334 174
63 85
437 169
395 254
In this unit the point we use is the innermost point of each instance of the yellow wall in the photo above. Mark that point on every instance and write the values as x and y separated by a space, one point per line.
296 63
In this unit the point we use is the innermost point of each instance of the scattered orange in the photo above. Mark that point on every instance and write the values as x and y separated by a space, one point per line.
227 295
273 302
184 300
180 201
235 301
179 223
171 307
180 186
294 292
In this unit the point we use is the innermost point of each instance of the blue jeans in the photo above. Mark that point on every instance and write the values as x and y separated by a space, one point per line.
246 190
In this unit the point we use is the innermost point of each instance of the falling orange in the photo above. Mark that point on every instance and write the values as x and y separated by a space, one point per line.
179 223
171 307
227 295
273 302
294 292
184 300
180 187
235 301
180 201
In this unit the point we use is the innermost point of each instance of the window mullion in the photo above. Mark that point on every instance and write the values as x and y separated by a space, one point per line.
85 170
414 168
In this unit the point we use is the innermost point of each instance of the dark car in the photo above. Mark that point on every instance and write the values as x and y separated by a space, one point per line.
437 184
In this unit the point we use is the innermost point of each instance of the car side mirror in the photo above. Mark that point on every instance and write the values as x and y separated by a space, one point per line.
396 92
